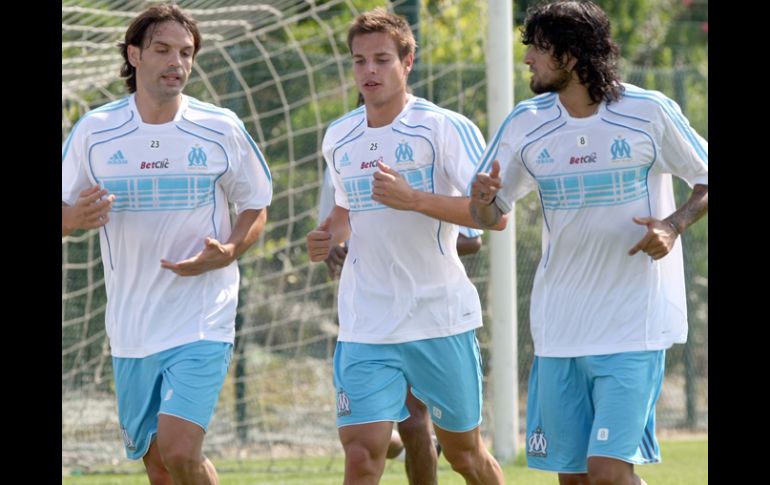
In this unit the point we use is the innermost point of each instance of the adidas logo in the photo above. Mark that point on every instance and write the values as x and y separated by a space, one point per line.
544 157
345 161
117 158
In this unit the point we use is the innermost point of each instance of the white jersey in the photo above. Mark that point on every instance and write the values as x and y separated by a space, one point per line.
172 183
402 279
594 175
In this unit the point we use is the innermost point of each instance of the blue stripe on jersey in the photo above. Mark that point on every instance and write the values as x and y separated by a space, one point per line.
593 189
416 180
540 102
414 126
539 192
210 108
470 232
626 115
202 126
216 179
438 237
359 189
654 153
115 105
351 131
670 109
88 156
334 152
116 127
258 152
457 119
350 114
558 115
473 148
161 192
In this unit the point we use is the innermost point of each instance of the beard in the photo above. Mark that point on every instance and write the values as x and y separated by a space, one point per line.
560 80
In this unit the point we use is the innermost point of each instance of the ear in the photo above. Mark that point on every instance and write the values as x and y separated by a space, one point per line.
134 55
408 62
571 62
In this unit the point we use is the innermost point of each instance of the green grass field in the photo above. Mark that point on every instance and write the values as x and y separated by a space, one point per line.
685 462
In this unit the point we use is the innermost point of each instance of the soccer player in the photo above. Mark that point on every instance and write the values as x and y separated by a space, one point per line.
608 296
155 172
407 310
413 440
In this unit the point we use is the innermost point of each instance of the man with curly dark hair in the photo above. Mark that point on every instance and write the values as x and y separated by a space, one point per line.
609 295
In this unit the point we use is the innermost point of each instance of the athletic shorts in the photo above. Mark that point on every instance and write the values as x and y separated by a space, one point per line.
599 405
183 381
445 374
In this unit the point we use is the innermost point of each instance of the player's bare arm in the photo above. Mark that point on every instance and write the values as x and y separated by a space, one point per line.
89 212
661 234
484 211
390 188
248 226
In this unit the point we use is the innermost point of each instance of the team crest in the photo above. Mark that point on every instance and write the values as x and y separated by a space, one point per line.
196 157
620 150
343 404
404 153
537 445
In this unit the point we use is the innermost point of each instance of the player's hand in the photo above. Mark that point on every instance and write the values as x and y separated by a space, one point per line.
335 260
657 241
90 211
390 188
485 186
214 255
318 241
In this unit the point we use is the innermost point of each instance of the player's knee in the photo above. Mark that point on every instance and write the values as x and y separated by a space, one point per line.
359 459
464 462
157 473
181 462
608 476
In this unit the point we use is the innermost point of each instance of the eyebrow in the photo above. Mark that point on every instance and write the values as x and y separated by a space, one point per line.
376 54
166 44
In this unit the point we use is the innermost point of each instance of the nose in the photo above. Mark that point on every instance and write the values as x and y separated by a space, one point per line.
174 59
528 56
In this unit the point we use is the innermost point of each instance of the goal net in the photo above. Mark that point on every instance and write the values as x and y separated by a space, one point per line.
283 67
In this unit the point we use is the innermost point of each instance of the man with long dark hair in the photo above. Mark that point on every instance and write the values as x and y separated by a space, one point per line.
155 172
608 296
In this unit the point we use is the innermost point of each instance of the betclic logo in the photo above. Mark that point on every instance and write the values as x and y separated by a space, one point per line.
154 165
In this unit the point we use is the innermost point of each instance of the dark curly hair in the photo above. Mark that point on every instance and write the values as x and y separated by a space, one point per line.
582 30
140 32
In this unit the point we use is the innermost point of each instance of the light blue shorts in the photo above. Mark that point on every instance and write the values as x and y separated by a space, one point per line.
183 381
599 405
445 373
